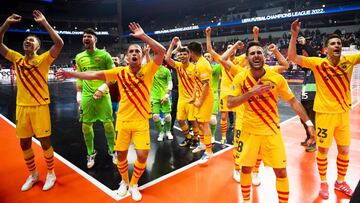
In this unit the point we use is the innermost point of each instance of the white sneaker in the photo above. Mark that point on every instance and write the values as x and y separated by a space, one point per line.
123 188
236 175
50 181
135 193
91 160
169 135
212 140
205 158
114 158
161 136
199 148
255 179
30 181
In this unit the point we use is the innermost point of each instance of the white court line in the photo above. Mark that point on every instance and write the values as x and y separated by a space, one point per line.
173 173
98 184
149 184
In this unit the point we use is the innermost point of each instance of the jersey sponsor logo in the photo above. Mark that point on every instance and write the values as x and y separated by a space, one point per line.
97 59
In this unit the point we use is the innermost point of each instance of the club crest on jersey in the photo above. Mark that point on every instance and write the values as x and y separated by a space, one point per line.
34 62
97 59
140 75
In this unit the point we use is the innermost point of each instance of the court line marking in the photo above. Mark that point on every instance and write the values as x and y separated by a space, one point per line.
173 173
98 184
112 193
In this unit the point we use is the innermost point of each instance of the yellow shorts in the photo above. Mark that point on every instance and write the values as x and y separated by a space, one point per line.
185 111
33 120
270 147
138 131
223 104
329 125
203 114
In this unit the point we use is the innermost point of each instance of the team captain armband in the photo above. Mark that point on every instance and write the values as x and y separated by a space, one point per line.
309 123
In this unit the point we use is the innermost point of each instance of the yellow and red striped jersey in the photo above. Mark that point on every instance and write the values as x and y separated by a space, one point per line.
332 82
261 112
134 90
31 78
240 60
186 78
203 71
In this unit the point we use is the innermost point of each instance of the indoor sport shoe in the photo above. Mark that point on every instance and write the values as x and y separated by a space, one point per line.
212 140
194 144
123 188
185 143
135 193
91 160
324 191
304 143
311 148
199 148
255 179
236 175
50 181
205 158
344 188
30 181
161 136
169 135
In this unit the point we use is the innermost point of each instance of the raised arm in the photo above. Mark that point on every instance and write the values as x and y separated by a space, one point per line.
208 44
169 52
146 51
14 18
238 45
256 31
158 49
58 42
292 56
284 65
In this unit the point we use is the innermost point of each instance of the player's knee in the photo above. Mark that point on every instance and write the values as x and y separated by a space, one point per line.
25 143
246 169
108 126
213 120
224 116
280 172
45 143
344 150
87 128
167 117
156 117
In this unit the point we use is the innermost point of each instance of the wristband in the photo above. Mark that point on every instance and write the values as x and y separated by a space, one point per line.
309 123
78 97
102 88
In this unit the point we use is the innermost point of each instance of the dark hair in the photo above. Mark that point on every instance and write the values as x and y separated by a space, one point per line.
36 37
183 49
195 47
134 45
251 44
90 31
330 36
